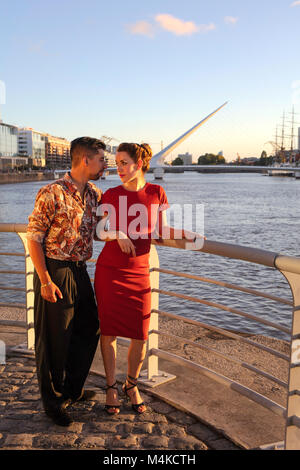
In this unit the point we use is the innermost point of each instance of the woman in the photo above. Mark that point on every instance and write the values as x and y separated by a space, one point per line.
122 281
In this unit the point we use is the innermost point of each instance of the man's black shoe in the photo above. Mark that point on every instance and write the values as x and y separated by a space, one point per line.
86 396
59 416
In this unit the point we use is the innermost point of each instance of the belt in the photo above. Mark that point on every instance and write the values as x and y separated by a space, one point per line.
76 264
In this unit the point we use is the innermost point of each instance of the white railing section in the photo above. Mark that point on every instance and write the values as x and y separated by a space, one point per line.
288 266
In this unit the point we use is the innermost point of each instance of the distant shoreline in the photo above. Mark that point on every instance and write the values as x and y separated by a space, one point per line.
11 178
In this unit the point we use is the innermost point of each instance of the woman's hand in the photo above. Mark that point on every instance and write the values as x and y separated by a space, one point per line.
49 292
126 244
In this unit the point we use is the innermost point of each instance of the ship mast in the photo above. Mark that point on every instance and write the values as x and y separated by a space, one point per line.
292 136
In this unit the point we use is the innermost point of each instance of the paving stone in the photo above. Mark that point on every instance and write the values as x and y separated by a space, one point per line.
121 443
26 368
169 429
20 413
222 444
156 442
5 375
202 432
181 418
16 405
74 428
99 427
161 407
30 397
153 417
54 441
124 428
143 428
186 443
18 440
23 423
12 367
7 389
91 442
22 375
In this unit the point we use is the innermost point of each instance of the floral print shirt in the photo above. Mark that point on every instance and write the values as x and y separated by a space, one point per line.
63 222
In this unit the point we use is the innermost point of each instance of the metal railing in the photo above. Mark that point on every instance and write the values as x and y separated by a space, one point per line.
287 265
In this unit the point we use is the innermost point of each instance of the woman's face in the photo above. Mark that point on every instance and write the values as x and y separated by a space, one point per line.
127 168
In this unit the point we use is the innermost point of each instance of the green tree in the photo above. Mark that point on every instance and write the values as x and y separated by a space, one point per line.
211 159
264 159
177 161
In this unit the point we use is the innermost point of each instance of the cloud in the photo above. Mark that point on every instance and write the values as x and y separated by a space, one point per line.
171 24
230 20
295 4
180 27
143 28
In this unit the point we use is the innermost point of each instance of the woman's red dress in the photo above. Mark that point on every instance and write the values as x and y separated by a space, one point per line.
122 282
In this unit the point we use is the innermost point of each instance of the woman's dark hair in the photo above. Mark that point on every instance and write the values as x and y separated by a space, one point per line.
138 152
89 145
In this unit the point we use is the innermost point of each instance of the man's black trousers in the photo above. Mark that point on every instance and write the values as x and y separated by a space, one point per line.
66 333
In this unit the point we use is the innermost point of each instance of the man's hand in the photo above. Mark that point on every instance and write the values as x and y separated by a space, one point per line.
49 292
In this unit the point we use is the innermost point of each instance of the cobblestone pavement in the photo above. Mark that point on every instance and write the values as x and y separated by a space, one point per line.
24 425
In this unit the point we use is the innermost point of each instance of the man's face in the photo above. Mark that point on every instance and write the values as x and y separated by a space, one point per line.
96 165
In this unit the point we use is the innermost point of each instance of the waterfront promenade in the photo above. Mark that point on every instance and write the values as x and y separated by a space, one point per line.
188 413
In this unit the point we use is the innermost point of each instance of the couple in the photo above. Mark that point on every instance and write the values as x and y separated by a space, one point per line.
67 216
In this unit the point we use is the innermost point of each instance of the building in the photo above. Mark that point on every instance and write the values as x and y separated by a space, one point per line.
57 152
9 149
187 158
32 146
299 139
110 155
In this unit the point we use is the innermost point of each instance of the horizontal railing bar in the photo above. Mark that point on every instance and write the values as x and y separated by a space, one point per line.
244 253
224 284
224 333
266 402
223 307
13 305
13 254
21 324
218 353
13 272
19 289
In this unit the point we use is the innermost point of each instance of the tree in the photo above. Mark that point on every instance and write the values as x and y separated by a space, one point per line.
177 161
211 159
264 159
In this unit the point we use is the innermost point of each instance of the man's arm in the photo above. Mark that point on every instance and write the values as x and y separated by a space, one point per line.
39 222
48 289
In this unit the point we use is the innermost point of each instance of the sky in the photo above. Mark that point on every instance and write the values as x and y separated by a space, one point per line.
149 71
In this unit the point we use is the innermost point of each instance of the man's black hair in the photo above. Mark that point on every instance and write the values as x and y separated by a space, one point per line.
90 145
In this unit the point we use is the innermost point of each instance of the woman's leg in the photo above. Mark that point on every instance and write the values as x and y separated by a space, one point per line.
136 356
109 355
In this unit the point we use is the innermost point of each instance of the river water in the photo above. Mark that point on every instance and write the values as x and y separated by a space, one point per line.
244 209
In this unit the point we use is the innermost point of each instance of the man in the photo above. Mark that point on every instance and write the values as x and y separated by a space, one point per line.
60 236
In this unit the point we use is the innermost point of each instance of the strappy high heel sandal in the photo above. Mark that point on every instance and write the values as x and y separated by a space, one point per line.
111 407
125 389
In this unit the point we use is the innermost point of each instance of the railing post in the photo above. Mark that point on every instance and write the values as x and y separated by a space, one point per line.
153 337
152 376
29 270
292 432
